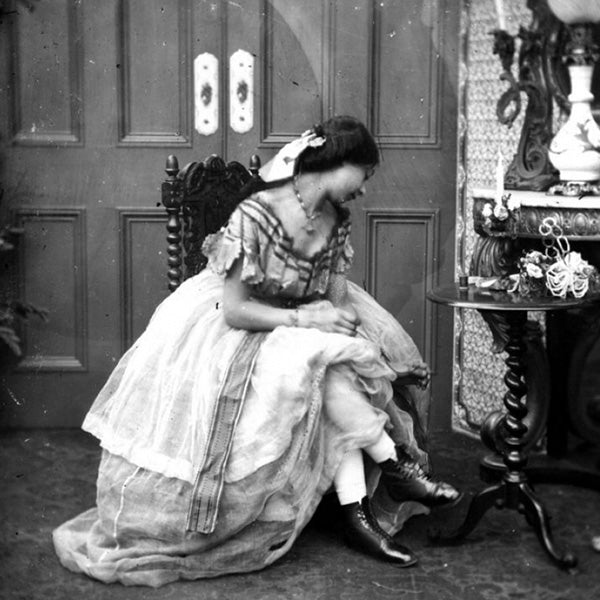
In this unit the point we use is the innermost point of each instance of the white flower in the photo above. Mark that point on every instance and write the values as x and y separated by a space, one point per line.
575 263
500 212
534 271
512 203
487 211
534 256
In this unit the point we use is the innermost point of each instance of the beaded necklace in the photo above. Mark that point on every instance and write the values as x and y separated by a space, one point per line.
309 226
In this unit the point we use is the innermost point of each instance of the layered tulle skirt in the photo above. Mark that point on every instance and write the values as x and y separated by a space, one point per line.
219 443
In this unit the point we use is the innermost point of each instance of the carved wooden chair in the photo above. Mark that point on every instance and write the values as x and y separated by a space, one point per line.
199 199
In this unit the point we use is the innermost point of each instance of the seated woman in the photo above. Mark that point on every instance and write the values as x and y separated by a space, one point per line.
256 387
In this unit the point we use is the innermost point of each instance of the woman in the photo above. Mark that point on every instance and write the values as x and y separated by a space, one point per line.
257 386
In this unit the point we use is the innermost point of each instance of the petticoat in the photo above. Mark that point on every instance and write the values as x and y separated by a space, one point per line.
155 415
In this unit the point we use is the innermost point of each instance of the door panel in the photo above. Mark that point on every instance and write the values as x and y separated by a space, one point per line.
154 49
293 65
142 268
47 55
55 252
406 74
401 248
103 92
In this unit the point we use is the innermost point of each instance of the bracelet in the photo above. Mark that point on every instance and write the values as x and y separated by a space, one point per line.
295 317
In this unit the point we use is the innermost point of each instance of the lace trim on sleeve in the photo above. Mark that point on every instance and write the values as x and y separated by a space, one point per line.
238 238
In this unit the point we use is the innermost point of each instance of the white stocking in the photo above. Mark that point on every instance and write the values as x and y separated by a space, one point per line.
382 449
349 480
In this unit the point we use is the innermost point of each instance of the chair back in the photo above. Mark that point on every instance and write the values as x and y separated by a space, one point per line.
199 200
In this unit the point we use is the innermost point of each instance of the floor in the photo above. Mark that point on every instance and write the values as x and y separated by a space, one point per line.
48 476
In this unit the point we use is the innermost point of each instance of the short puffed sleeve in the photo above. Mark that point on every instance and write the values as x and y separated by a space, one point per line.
238 238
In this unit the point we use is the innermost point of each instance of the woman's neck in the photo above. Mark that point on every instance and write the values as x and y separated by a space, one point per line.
309 187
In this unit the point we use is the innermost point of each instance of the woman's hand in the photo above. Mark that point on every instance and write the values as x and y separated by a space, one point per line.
419 375
323 315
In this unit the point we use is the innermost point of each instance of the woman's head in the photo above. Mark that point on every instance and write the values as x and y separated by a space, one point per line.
347 141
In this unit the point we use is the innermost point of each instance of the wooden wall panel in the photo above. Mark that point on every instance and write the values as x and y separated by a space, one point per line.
143 269
52 271
406 83
401 251
155 64
47 80
293 71
350 64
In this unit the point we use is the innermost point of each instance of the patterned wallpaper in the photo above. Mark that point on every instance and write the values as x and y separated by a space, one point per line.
478 374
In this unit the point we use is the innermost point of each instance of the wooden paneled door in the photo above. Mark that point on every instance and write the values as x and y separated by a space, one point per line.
100 92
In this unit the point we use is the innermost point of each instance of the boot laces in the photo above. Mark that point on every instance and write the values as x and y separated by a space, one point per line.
374 524
411 469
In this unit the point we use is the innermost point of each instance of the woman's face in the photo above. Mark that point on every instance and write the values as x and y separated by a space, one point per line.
349 182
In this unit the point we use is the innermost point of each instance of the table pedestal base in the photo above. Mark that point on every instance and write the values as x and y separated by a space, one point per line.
506 432
513 492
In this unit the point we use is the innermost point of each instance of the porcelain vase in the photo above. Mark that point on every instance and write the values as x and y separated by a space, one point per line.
575 149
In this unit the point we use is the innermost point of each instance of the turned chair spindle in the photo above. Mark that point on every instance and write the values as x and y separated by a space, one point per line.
199 200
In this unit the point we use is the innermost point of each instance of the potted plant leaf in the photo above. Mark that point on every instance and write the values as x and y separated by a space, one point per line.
12 310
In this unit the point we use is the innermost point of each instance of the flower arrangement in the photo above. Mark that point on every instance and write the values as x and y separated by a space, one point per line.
567 275
557 271
497 214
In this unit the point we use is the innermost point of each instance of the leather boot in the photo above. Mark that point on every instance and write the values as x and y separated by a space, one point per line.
405 480
364 533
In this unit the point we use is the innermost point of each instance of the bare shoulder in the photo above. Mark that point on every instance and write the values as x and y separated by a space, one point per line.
283 204
277 199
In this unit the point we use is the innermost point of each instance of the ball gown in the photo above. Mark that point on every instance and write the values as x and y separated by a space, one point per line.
218 443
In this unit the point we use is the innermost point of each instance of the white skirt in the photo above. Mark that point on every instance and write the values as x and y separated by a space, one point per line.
155 419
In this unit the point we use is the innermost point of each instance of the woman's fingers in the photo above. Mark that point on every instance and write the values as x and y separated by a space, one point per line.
348 322
350 316
422 372
420 368
344 327
327 317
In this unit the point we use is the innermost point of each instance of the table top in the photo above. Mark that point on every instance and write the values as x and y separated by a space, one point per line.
486 299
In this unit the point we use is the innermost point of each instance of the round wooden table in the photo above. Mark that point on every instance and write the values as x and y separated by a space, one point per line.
513 491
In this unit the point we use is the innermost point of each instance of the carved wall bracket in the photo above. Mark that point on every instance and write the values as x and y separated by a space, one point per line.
530 168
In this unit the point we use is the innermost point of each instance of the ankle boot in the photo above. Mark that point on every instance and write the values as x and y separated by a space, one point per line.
364 533
405 480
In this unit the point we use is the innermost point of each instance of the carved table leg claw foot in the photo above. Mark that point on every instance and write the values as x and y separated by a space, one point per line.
538 518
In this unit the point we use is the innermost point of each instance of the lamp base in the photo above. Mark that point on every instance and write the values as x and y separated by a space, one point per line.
574 149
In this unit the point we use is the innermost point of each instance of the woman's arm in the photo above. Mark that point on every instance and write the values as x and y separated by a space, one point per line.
244 312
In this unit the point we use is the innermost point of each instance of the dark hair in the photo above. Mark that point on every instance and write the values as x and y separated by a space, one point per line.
347 140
